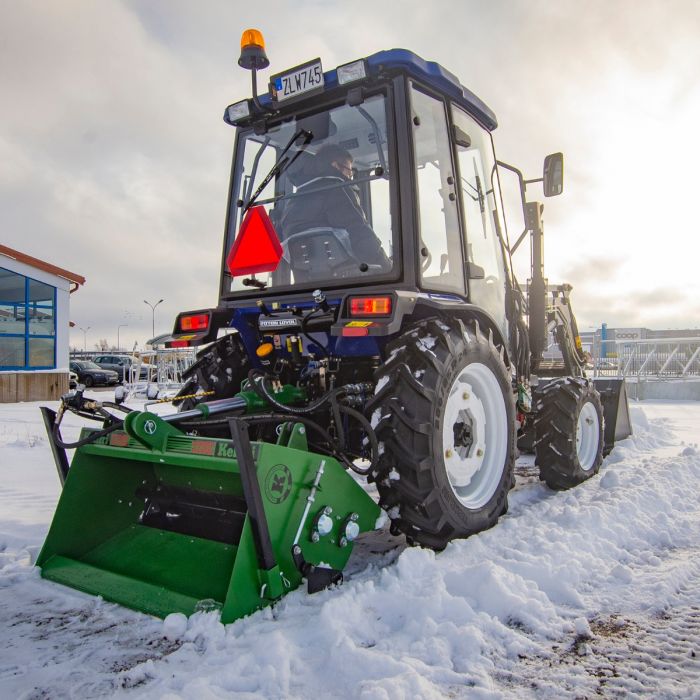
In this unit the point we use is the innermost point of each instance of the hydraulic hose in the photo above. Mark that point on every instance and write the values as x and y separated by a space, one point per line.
371 436
100 414
87 440
309 337
264 393
239 404
262 390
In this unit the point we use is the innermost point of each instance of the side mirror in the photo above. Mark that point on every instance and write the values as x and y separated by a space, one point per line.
553 175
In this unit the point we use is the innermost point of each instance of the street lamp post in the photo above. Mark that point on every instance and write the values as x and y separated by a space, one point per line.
123 325
85 330
153 317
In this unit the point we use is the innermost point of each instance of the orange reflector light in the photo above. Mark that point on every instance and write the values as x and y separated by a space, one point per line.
119 440
198 322
264 350
252 37
355 331
256 248
370 306
203 447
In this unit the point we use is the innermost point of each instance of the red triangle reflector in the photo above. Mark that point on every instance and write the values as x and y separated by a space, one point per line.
256 248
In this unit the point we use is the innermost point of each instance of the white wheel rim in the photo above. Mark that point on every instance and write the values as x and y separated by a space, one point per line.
587 436
475 407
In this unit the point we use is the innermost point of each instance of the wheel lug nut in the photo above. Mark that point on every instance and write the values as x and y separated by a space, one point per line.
465 395
448 453
479 453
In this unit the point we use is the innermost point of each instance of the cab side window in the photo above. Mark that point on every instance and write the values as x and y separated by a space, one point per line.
484 253
439 245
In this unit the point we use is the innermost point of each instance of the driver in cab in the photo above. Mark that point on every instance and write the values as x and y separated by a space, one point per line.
325 204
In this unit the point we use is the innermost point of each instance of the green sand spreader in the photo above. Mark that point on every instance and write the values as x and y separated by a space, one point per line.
161 521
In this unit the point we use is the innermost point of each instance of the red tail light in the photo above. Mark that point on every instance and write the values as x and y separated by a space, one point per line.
197 322
370 306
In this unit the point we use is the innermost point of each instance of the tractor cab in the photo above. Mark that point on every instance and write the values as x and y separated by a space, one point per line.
379 173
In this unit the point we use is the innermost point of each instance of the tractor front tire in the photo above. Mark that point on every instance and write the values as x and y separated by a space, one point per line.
444 415
568 432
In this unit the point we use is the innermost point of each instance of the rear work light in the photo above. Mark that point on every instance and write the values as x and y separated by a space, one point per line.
198 322
351 72
237 112
370 306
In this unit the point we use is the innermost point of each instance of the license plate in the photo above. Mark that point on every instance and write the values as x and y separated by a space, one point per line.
298 81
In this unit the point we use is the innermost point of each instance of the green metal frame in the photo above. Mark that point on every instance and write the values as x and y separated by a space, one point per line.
98 544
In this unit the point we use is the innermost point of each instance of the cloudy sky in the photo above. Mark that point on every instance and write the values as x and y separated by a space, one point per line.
114 159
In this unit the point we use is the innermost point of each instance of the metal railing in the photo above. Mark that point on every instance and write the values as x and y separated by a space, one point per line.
649 359
167 366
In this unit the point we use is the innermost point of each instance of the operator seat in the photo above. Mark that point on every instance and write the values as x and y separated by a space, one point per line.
320 253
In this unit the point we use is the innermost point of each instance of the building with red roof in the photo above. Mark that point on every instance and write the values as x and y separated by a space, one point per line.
34 326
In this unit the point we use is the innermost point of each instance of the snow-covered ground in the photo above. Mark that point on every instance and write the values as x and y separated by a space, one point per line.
590 592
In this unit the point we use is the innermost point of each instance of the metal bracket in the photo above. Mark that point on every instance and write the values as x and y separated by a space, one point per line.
59 454
251 493
317 578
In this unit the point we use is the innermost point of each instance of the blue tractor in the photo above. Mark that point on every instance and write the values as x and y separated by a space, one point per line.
369 326
367 291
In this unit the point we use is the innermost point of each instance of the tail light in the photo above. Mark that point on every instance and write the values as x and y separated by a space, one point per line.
370 306
196 322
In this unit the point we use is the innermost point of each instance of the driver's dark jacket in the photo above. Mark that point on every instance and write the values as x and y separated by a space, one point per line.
338 207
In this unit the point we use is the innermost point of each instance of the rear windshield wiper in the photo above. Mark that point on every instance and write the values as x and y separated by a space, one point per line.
281 164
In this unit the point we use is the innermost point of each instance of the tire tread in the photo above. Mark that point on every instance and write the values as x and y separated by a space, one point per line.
408 433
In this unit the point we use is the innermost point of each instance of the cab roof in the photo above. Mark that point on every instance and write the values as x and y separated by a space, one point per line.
429 72
435 76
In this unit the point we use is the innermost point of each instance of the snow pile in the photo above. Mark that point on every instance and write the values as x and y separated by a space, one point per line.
551 602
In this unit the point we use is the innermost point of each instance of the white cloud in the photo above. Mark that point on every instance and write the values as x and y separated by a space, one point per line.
114 160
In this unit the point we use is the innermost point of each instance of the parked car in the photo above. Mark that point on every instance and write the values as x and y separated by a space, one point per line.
121 364
91 374
72 380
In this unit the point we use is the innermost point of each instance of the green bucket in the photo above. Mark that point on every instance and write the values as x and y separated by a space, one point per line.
161 522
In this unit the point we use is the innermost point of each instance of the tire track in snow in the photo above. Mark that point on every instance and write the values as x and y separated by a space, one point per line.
648 648
81 646
654 653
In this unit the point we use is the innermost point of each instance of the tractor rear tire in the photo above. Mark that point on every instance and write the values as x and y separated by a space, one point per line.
444 414
568 432
220 368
